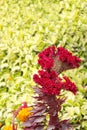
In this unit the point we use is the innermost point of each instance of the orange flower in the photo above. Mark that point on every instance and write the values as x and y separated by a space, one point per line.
9 78
24 113
0 124
7 128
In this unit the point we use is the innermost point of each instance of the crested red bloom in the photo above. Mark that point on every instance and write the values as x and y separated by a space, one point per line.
68 85
49 81
66 56
52 84
48 74
46 62
48 52
48 56
53 61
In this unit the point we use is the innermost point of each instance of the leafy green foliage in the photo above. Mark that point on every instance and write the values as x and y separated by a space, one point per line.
26 28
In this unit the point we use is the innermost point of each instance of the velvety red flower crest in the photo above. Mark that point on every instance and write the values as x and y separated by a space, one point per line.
47 56
52 84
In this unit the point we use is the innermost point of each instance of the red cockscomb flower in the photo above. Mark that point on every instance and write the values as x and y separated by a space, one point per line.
58 59
48 99
68 85
52 84
49 81
66 56
46 57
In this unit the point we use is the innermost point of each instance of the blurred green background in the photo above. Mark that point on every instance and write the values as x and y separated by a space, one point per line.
26 28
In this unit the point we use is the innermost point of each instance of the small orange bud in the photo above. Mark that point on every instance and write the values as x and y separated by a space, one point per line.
9 78
0 124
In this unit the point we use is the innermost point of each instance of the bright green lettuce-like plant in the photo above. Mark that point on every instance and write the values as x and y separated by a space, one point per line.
28 26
